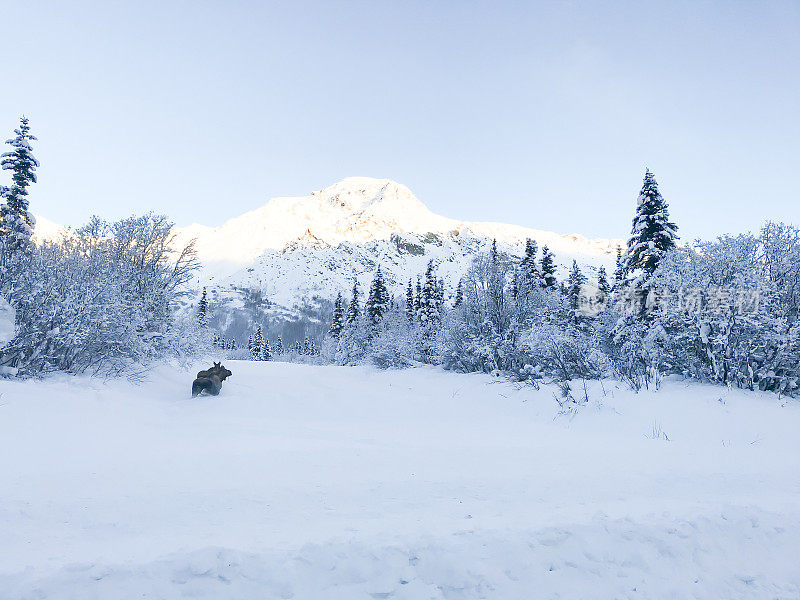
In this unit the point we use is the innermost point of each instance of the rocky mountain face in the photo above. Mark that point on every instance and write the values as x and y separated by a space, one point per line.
296 251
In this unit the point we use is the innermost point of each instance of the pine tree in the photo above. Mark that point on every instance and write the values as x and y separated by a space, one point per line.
528 277
354 310
265 351
575 281
619 271
652 233
459 293
378 300
410 302
278 348
250 343
258 340
338 317
202 310
548 268
430 303
16 221
603 285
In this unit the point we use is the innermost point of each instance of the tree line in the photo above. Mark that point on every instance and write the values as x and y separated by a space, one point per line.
724 311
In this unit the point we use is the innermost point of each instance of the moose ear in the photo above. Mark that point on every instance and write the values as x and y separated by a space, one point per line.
216 364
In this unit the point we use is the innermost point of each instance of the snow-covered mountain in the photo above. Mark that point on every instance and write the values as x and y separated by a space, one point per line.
295 252
296 249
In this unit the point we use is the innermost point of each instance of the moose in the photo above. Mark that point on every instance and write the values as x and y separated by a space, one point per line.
210 380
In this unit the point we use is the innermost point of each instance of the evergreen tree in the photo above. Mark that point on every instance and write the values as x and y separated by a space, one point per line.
410 302
16 221
619 271
430 305
338 317
378 300
652 233
418 298
528 277
265 351
258 340
574 283
201 312
603 285
548 268
278 348
250 343
459 293
354 310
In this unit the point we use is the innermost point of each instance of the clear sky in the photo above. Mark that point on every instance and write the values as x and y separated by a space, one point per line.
540 114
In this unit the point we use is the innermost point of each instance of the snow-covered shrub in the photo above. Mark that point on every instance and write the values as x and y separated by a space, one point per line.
722 311
394 343
102 299
564 352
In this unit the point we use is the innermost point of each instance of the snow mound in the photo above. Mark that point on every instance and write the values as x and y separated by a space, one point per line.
662 557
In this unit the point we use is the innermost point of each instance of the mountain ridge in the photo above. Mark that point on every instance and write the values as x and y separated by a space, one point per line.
357 209
296 253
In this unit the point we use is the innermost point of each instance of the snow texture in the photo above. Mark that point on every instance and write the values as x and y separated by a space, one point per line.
328 482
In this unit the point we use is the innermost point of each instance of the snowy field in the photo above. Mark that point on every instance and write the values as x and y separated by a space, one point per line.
344 483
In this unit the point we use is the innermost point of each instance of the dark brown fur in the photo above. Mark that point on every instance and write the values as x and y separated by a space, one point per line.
210 380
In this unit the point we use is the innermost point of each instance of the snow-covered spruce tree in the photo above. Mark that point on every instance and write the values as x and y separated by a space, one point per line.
528 278
354 309
548 268
410 302
575 282
202 317
338 318
638 348
16 220
652 233
428 310
459 298
619 271
603 287
353 342
377 301
266 354
278 348
257 344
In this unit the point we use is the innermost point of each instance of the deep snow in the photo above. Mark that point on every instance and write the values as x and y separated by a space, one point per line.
334 482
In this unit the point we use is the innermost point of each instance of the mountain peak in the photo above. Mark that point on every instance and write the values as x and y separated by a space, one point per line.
357 194
355 210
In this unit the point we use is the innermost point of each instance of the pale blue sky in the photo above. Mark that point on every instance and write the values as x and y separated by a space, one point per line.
541 114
